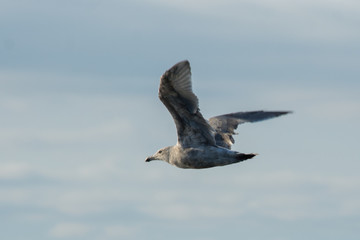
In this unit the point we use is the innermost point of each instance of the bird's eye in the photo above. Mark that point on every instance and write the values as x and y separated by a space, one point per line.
160 151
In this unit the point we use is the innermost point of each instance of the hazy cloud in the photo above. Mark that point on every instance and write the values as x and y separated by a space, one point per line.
79 114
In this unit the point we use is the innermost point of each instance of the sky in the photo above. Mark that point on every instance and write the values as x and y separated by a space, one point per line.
80 113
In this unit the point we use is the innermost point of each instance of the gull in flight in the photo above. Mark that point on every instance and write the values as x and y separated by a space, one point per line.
200 143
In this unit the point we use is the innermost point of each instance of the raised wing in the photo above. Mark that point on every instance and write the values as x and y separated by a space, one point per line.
176 93
225 125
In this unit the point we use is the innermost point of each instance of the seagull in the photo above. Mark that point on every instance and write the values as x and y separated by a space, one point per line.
200 143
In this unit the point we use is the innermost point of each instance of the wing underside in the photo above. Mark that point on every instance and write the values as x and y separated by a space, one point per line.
176 93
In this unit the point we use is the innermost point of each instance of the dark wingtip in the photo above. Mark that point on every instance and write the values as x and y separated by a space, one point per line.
179 64
287 112
279 113
276 113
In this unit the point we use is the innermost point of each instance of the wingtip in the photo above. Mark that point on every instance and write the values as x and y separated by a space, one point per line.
280 113
284 112
182 63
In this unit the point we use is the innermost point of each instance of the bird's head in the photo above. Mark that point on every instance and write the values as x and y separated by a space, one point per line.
162 154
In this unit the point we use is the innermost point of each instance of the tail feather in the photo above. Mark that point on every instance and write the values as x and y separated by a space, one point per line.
243 156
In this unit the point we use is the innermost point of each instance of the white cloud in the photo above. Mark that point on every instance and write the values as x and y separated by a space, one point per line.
33 217
69 229
319 21
284 195
324 103
17 196
120 231
280 195
11 170
214 5
72 150
13 104
80 134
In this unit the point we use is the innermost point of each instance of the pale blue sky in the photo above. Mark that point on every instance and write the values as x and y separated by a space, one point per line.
79 115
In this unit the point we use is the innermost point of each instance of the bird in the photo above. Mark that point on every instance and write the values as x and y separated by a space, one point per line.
200 143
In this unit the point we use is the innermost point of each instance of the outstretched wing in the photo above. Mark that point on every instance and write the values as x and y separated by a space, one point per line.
224 125
176 93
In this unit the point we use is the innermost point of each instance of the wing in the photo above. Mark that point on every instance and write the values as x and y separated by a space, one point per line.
224 125
176 93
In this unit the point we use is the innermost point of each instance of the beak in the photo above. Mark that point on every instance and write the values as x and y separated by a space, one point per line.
148 159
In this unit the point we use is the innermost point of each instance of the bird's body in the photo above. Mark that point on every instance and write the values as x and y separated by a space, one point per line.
201 143
200 156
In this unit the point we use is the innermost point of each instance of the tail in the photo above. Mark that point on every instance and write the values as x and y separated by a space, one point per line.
243 156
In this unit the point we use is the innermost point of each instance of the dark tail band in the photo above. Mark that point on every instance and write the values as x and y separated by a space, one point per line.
244 156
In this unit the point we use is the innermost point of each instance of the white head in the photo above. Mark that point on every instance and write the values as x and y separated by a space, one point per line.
162 154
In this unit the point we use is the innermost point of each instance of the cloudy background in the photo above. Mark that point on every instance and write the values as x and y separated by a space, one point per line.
79 113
